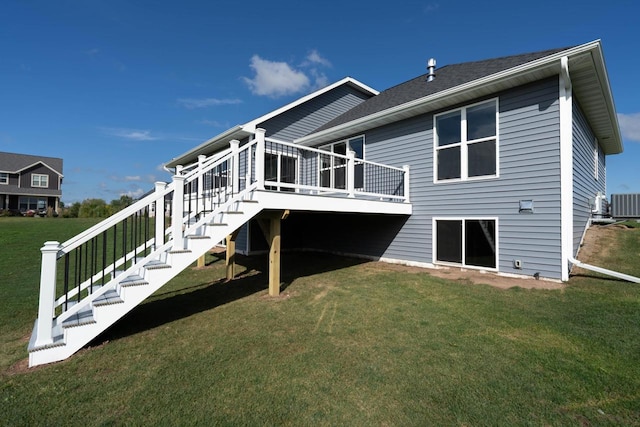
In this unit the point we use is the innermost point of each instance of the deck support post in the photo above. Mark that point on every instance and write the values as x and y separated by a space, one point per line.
46 307
351 174
406 184
159 216
230 259
200 262
274 257
270 224
177 213
260 146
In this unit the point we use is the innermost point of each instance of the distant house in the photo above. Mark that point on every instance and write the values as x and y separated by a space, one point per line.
30 183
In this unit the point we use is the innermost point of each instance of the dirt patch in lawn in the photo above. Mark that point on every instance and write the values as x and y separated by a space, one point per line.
598 243
475 277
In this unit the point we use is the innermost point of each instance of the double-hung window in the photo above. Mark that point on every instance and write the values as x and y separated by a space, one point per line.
4 178
39 180
466 143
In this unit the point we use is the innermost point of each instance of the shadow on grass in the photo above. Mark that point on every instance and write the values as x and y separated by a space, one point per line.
163 308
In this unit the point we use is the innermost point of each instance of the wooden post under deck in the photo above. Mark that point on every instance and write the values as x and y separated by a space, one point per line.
200 263
230 260
270 226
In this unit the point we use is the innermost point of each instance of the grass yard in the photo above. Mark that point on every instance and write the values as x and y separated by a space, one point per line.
347 343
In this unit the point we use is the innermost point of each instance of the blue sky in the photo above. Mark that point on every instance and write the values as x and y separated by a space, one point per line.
117 88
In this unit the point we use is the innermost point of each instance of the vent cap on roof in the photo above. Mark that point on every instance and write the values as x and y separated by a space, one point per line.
431 68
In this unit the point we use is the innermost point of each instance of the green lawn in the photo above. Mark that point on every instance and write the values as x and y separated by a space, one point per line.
348 343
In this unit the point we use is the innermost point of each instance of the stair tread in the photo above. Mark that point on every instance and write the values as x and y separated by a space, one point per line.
219 224
109 297
154 264
83 317
133 280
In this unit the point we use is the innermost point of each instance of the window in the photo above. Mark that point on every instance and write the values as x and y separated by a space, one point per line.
282 168
4 178
466 242
32 203
596 159
39 180
466 143
333 170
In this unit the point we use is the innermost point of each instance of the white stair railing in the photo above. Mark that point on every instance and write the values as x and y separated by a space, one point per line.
87 265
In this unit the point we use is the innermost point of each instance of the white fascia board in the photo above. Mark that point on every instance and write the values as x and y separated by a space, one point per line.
251 126
39 162
601 70
523 69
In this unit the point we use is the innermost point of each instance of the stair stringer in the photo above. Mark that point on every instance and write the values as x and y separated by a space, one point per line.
199 239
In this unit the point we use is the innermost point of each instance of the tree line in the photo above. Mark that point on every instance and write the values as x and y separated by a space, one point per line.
95 208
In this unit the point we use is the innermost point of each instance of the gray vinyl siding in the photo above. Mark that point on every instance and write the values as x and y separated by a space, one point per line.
585 185
529 168
312 114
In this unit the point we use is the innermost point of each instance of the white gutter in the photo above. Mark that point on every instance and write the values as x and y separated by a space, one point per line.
601 270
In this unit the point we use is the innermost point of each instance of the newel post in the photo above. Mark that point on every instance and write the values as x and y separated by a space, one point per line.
260 146
235 166
351 174
46 309
177 212
201 159
159 217
406 183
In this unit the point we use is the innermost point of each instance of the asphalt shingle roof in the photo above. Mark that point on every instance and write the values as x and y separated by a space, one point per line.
447 77
13 162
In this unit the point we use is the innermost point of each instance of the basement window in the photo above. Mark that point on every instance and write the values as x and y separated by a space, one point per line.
466 143
466 242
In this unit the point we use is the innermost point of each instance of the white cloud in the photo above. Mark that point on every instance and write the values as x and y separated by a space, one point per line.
213 123
275 79
630 126
192 103
134 194
133 134
431 7
315 58
132 178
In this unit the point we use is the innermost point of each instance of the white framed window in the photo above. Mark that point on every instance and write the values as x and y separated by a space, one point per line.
4 178
596 158
39 180
466 242
466 143
333 171
281 167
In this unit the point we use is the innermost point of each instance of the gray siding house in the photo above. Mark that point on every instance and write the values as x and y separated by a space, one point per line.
507 160
30 183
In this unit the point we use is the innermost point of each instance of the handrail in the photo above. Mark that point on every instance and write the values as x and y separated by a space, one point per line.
104 225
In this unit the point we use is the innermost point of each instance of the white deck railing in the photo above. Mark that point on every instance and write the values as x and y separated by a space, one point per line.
90 263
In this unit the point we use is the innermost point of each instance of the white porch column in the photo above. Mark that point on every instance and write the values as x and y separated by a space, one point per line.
46 308
177 212
159 216
235 166
260 146
351 174
201 159
407 181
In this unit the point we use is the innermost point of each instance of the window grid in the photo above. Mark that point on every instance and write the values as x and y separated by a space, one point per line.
39 180
464 144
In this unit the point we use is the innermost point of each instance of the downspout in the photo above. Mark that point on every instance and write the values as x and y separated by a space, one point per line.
566 167
566 177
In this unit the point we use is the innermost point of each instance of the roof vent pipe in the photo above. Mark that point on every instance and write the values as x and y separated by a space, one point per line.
431 68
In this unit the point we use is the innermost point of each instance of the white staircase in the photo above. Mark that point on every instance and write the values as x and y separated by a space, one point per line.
90 281
85 320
